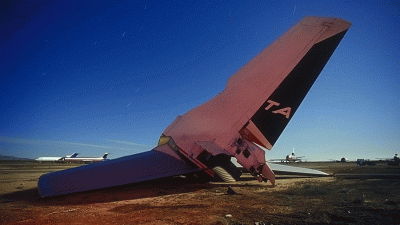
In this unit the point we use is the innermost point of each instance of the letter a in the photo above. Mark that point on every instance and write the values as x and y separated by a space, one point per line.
284 111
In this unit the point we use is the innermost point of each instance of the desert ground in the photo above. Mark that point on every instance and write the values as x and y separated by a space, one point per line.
180 200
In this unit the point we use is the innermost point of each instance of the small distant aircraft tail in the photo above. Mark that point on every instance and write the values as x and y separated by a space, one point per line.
74 155
105 155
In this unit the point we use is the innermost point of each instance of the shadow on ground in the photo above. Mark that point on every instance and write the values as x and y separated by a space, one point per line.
155 188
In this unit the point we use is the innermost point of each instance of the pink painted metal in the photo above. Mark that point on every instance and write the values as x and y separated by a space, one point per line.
225 123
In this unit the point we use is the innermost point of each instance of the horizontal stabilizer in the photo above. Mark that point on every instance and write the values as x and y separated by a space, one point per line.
125 170
293 170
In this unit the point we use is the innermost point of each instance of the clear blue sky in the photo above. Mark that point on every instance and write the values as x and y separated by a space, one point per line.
95 76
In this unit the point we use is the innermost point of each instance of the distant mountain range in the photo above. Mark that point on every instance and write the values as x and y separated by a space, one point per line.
4 157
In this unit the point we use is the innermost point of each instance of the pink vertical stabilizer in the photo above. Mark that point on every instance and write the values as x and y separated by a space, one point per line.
260 99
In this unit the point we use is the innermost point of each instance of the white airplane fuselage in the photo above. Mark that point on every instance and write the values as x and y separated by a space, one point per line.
292 158
55 159
49 159
86 159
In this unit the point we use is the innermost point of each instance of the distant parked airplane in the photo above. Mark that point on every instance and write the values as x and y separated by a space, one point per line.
293 158
86 159
253 110
394 161
54 159
395 158
289 158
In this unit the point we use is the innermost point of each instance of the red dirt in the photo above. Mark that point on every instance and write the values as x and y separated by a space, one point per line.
294 200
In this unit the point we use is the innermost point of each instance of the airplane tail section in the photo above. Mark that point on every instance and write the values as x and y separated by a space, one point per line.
260 99
284 101
105 156
74 155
